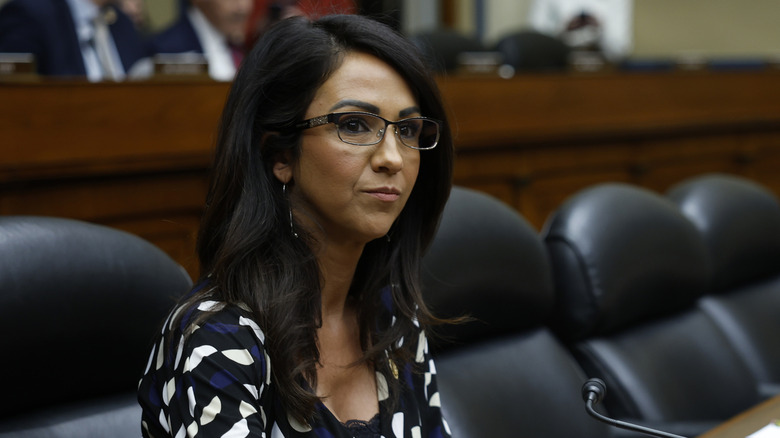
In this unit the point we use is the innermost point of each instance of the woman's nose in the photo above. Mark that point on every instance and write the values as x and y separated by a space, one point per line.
388 155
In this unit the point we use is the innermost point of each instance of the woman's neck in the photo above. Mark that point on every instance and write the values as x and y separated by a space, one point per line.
346 385
337 267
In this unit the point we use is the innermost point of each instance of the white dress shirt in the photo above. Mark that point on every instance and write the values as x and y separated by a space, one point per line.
215 47
614 16
84 14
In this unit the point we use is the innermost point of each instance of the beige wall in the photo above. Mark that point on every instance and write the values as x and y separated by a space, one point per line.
664 28
706 27
161 12
504 17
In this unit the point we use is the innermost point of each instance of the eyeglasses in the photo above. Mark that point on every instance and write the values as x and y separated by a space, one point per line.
366 129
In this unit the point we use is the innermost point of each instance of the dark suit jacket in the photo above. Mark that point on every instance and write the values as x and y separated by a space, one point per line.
178 38
45 28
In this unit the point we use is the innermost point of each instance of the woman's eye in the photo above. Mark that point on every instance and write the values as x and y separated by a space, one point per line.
408 130
353 125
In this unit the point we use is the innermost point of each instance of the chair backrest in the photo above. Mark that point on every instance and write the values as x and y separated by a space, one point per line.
532 51
503 373
739 221
442 47
79 305
629 269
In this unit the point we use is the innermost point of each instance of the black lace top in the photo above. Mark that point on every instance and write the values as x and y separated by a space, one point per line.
364 429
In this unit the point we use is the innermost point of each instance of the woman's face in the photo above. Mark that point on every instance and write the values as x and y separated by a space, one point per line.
354 193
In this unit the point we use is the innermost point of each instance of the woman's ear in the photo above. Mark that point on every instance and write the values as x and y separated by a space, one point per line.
282 168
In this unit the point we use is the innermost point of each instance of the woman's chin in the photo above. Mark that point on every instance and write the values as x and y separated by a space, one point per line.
380 234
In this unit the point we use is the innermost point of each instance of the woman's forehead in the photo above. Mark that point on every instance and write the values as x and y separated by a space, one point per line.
368 82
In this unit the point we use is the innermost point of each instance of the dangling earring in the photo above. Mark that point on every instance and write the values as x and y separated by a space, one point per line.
289 208
389 233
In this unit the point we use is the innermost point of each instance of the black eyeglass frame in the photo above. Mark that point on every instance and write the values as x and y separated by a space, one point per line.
334 118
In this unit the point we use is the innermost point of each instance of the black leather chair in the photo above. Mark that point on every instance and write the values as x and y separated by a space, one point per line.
629 269
739 221
79 304
503 373
532 51
442 47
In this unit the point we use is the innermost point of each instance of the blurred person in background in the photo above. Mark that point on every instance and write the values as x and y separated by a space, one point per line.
136 10
267 12
603 26
74 38
214 28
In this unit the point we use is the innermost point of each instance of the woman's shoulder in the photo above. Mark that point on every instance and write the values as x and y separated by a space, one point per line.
209 351
216 323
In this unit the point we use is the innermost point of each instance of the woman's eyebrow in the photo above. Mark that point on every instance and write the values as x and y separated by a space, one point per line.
365 106
371 108
409 111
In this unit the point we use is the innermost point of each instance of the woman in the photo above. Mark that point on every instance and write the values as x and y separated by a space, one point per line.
332 167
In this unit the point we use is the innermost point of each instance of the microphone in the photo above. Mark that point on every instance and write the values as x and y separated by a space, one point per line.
594 390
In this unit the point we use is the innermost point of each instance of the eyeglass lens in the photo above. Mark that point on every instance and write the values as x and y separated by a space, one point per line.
367 129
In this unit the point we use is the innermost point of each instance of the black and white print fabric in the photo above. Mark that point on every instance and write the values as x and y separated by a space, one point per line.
218 383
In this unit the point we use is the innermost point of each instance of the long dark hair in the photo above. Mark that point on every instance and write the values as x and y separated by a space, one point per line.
247 251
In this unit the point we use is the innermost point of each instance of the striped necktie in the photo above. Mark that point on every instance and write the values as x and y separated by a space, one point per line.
102 41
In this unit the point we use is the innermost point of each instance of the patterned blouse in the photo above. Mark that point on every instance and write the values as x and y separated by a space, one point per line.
218 383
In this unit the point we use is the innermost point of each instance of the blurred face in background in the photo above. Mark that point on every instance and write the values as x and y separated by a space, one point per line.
229 17
136 10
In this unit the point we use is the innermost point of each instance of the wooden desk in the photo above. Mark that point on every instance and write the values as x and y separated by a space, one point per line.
747 422
135 155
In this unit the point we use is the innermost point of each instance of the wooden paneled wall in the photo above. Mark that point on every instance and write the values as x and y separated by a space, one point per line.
132 156
135 155
534 140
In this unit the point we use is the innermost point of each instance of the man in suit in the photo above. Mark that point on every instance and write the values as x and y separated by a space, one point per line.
74 38
214 28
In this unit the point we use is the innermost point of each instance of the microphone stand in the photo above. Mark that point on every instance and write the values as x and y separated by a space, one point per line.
594 390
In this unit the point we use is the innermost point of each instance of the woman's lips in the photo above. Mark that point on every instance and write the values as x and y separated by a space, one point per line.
387 195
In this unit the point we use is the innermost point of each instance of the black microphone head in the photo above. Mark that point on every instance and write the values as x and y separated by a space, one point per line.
594 389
